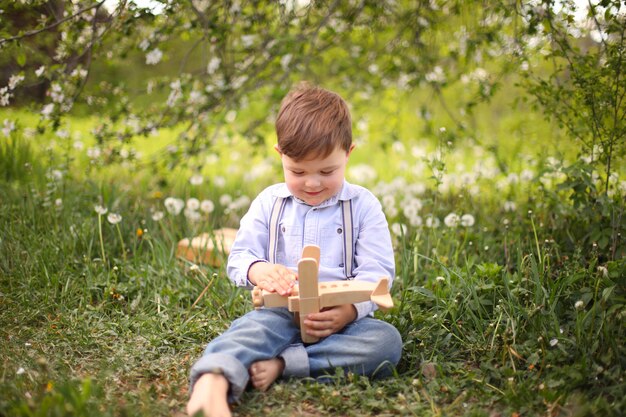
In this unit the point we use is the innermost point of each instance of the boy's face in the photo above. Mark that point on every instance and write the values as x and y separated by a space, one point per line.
317 179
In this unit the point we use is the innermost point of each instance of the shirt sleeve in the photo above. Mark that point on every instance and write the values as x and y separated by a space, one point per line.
251 242
374 257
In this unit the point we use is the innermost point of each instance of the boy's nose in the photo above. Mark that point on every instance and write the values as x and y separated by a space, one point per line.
311 182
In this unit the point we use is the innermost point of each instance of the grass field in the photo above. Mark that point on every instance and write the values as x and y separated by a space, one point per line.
510 296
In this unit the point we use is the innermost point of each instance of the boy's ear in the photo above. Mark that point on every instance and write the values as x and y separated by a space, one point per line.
350 150
277 149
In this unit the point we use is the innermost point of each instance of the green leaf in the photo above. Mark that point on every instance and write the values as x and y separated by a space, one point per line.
21 58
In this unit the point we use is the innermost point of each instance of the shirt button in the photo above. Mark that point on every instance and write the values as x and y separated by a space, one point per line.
283 229
340 265
339 230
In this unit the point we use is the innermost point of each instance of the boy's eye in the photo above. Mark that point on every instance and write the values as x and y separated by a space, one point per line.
326 172
297 172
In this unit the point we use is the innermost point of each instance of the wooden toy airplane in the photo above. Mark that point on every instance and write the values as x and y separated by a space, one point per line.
309 296
207 248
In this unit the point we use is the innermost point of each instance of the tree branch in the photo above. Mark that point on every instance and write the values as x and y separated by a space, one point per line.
52 26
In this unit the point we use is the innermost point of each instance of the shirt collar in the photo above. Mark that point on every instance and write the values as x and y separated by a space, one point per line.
348 192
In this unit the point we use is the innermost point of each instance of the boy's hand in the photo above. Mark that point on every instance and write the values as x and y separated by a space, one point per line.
272 277
329 321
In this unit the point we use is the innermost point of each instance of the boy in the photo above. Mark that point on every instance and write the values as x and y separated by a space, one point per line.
315 205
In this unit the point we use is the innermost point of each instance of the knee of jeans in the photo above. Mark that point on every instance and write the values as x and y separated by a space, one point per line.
393 346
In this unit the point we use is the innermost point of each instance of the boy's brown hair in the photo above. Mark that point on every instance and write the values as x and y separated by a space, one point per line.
313 122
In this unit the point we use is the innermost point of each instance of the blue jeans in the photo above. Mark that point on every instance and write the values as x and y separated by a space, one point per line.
366 347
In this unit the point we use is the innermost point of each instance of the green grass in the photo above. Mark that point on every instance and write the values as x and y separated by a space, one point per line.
505 316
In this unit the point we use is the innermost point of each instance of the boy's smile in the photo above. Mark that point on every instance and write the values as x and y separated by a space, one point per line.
317 179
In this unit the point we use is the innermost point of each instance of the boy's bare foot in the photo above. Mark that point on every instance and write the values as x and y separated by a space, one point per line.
264 373
210 396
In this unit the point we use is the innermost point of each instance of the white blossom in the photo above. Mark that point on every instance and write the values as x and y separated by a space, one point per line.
230 116
93 153
213 65
154 56
15 80
63 133
247 40
39 71
47 110
100 209
56 93
8 127
5 96
579 305
157 215
436 75
554 342
285 60
144 44
175 94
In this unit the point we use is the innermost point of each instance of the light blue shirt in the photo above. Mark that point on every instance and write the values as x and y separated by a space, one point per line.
302 224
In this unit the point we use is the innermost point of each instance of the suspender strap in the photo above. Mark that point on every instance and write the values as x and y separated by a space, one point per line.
348 238
277 212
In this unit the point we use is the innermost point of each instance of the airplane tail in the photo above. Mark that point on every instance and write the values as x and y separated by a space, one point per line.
380 296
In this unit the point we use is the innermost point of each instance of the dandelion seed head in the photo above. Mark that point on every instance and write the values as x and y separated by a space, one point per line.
157 215
192 215
174 205
114 218
225 200
193 203
399 229
207 206
100 209
451 220
219 181
432 222
467 220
